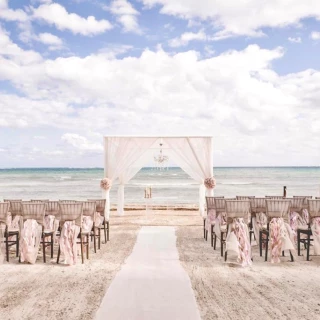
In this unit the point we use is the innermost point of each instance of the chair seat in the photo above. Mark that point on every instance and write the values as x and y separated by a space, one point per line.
223 228
303 228
48 231
13 230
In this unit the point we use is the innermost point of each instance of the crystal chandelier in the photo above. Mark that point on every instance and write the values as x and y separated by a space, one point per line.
160 160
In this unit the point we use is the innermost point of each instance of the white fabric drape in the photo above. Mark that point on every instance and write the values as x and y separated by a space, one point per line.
124 155
121 156
194 156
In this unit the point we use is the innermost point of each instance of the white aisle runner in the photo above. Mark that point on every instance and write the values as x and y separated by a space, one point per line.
152 283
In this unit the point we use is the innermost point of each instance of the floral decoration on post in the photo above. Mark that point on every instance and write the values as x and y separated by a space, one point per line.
106 184
210 183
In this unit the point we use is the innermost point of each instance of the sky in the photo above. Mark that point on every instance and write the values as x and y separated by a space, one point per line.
244 71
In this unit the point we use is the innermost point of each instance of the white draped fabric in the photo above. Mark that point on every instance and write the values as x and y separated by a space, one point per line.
125 156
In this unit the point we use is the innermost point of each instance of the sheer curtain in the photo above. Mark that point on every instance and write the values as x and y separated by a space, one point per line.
194 156
121 156
125 156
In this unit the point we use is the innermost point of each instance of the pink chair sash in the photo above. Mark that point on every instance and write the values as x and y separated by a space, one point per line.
315 228
258 222
279 239
211 219
238 241
68 242
29 241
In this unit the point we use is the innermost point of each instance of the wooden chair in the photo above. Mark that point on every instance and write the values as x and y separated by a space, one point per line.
276 208
220 207
68 201
236 209
8 232
245 197
73 212
100 208
305 202
89 209
36 211
53 209
257 205
314 212
275 197
210 206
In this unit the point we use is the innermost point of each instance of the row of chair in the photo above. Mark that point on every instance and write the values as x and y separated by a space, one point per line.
247 208
63 210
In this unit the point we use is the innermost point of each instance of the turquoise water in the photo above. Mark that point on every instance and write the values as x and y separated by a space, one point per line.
171 186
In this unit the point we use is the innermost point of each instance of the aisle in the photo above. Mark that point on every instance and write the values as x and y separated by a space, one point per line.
152 283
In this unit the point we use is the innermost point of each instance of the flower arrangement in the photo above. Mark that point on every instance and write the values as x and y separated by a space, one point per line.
106 184
210 183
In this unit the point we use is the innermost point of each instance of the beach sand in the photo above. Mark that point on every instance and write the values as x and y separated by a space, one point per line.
222 290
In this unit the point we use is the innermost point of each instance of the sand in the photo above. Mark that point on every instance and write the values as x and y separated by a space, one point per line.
222 290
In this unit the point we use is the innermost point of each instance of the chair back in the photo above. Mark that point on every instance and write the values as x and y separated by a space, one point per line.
100 205
257 205
220 205
237 209
15 207
53 209
317 198
210 202
9 200
4 209
277 208
35 211
245 197
275 197
68 201
39 200
297 204
314 208
89 208
71 212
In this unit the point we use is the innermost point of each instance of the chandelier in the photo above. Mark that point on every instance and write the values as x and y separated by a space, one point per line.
160 160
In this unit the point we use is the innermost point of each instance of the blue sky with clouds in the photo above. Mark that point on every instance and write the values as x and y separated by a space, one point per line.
246 72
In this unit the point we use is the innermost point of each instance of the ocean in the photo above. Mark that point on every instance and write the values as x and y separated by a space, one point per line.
171 186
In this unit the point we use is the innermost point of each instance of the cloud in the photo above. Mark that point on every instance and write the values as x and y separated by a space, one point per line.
126 15
236 96
11 15
295 40
315 35
53 42
57 15
186 37
240 18
81 143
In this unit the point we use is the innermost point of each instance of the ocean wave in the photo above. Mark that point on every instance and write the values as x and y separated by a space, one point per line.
63 178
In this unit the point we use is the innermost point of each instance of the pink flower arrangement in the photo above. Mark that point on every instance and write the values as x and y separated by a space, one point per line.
105 184
210 183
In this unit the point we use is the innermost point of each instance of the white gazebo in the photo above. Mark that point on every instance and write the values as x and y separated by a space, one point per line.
124 156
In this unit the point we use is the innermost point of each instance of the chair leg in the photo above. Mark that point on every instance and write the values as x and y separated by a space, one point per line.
308 247
88 239
94 240
44 247
17 245
291 256
211 235
7 245
51 245
260 242
206 235
225 255
215 242
58 257
105 231
298 239
221 244
81 245
204 228
108 230
283 253
99 238
267 241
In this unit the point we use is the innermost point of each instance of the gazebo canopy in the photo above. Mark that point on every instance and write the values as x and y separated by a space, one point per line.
124 156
